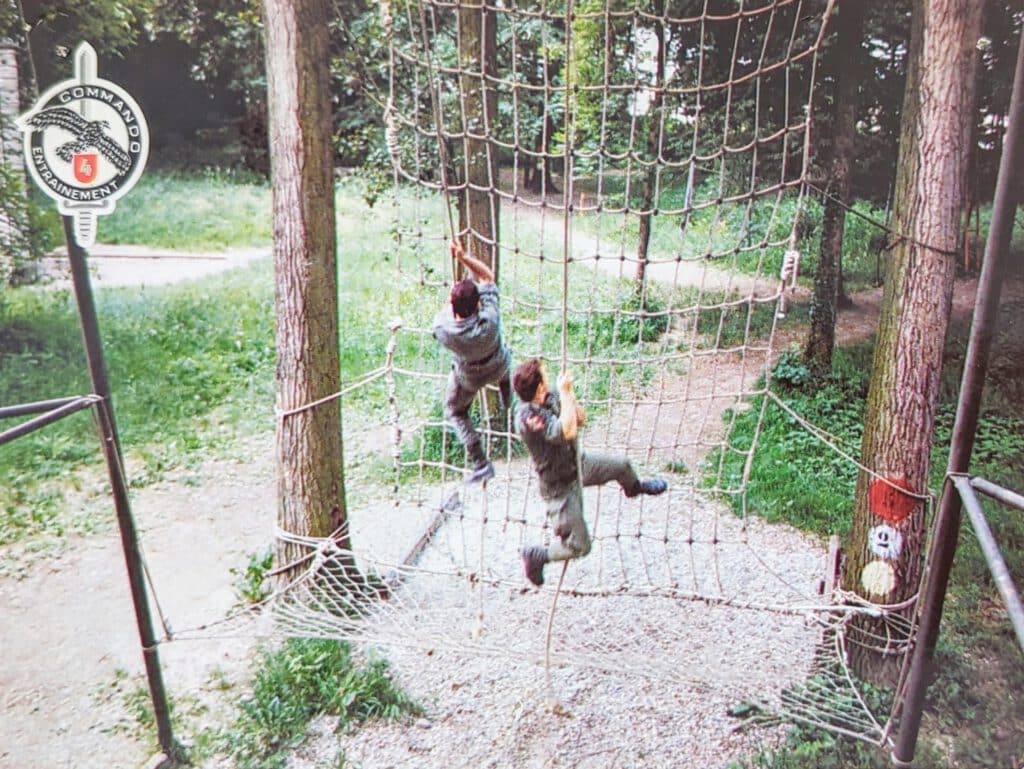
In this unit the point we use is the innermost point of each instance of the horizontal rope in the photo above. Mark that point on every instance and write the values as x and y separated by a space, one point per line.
363 380
832 442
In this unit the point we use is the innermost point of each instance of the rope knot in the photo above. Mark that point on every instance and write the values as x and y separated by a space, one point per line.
391 135
790 266
325 550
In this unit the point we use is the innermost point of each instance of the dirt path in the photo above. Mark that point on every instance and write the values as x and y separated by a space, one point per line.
70 658
70 665
112 266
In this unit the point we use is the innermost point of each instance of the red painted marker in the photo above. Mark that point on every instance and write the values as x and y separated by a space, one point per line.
888 502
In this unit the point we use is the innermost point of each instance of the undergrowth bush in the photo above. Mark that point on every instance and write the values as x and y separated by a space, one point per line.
31 228
814 747
791 478
636 319
303 679
750 234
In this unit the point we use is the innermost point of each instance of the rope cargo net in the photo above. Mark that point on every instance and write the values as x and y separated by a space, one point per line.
639 172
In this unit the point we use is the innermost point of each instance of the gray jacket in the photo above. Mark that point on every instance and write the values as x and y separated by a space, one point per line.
554 457
475 342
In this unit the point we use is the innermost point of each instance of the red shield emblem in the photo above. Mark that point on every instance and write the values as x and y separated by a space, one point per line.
85 165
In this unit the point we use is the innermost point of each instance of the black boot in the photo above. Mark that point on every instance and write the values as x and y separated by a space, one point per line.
482 471
534 559
651 486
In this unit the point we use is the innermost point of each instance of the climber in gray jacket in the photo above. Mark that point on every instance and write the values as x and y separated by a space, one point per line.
469 325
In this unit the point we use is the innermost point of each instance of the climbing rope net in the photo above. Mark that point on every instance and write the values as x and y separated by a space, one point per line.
637 172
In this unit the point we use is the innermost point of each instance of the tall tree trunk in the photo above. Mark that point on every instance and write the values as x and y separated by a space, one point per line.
478 63
479 208
310 477
884 554
648 204
538 172
845 57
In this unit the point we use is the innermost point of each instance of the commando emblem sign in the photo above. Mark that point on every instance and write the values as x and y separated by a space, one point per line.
86 143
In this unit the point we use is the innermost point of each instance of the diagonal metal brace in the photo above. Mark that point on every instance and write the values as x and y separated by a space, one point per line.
52 411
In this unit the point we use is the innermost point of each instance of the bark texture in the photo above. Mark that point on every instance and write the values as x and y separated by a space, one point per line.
310 478
883 559
478 208
655 131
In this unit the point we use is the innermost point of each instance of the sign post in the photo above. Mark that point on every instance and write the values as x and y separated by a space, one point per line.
86 143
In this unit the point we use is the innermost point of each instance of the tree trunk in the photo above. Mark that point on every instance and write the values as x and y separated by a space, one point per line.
478 208
539 172
884 554
654 130
310 478
824 305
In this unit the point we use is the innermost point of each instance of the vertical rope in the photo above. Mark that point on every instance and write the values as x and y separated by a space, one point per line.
396 424
433 85
551 622
566 245
478 628
567 182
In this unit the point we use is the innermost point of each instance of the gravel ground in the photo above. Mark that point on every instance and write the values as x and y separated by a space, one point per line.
642 676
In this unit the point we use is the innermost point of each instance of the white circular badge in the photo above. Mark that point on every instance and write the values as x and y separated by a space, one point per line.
86 144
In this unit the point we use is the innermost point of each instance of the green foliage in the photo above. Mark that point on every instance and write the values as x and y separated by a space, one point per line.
188 363
637 318
211 211
224 36
299 681
864 243
430 445
434 444
792 479
795 479
34 230
111 26
726 324
180 361
812 747
790 370
359 82
251 583
609 123
749 236
1004 381
645 318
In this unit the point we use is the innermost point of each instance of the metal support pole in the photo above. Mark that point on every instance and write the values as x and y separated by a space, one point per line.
994 559
998 493
23 409
118 483
76 404
947 522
